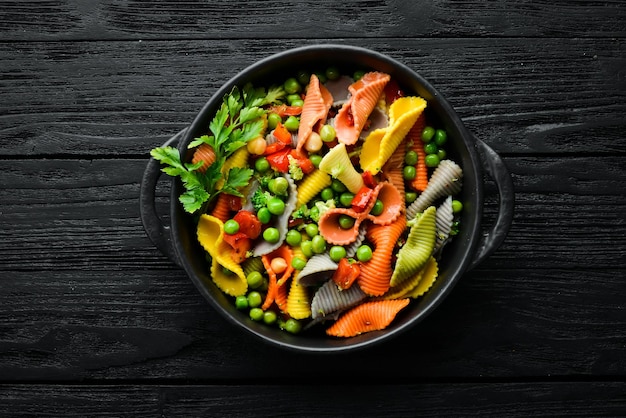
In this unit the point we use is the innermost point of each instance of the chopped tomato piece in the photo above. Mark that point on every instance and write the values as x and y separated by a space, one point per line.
241 245
249 224
274 148
368 179
280 160
346 273
362 199
234 202
282 134
284 110
304 163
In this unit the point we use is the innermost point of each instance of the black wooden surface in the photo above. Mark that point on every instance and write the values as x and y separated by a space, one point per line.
94 320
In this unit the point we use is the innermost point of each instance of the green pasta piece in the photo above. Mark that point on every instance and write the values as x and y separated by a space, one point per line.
417 249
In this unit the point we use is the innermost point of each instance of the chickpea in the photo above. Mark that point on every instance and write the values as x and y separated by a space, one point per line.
257 146
313 143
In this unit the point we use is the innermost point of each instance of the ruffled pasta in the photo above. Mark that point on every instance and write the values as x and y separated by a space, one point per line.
210 233
446 180
298 301
376 273
329 298
444 219
311 185
429 276
276 291
369 316
221 210
317 103
381 143
337 163
318 269
252 264
414 138
204 153
353 115
417 249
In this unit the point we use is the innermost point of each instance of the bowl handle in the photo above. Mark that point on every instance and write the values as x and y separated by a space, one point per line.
497 170
157 231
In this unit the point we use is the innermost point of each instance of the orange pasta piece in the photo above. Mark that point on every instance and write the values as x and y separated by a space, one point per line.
352 116
221 210
274 293
414 136
393 169
317 103
369 316
204 153
376 273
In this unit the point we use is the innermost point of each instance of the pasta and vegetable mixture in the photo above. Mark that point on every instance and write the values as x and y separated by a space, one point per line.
325 201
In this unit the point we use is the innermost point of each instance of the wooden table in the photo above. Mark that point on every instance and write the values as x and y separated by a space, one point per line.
95 320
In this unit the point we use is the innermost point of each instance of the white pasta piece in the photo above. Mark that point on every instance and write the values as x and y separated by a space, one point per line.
446 180
318 269
330 298
444 217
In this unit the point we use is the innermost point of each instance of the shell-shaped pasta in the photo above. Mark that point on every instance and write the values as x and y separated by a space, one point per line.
329 298
414 139
221 210
353 115
204 153
330 227
317 103
210 234
417 249
311 185
360 237
393 170
252 264
298 303
429 276
378 120
381 143
263 247
444 219
337 163
238 159
318 269
400 291
376 273
392 200
445 180
369 316
230 283
276 291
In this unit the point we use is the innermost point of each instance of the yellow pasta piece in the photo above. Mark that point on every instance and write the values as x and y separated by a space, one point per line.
238 159
400 291
311 185
381 143
210 234
299 300
417 249
337 163
429 275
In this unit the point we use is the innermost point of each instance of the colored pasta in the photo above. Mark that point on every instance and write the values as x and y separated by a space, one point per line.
367 317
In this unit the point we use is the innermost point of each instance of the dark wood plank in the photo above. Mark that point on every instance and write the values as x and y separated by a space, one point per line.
123 98
133 19
466 399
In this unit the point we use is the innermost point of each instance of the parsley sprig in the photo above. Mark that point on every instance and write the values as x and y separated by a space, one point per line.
238 121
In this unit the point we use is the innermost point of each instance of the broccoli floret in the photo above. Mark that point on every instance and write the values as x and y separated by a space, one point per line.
323 208
300 213
294 168
259 199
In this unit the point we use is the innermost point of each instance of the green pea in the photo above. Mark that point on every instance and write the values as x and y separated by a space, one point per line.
332 73
410 197
336 253
292 326
378 207
314 212
269 317
346 221
293 238
278 186
315 159
457 206
271 235
440 137
358 75
255 280
327 194
364 253
428 133
261 165
256 314
431 148
409 172
298 103
442 154
303 77
241 302
292 86
273 119
345 199
311 230
292 123
318 244
293 97
231 227
338 186
431 160
410 158
264 215
327 133
298 263
307 248
276 206
255 299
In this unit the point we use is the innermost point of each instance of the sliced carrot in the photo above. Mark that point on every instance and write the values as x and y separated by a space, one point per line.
369 316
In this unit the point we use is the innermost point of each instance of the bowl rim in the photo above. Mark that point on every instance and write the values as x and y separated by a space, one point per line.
297 343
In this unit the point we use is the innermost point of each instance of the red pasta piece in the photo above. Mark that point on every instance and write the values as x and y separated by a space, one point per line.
414 135
376 273
393 169
274 283
316 105
222 207
352 117
369 316
204 153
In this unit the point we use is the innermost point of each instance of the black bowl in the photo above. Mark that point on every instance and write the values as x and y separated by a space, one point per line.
467 249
